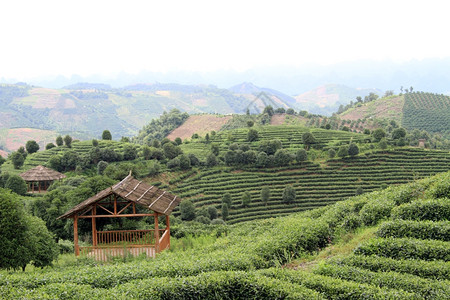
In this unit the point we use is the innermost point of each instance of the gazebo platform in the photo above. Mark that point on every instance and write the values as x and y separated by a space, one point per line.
120 201
39 178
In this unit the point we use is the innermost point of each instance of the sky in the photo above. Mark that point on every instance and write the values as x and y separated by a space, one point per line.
66 37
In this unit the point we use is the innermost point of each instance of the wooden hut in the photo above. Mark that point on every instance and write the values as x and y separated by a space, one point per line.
120 201
39 178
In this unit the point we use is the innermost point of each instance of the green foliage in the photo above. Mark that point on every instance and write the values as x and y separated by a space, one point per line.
270 146
212 212
49 146
106 135
187 210
94 143
331 153
55 163
289 194
224 212
160 128
17 159
171 151
404 248
353 150
246 199
59 141
282 157
101 166
432 209
308 140
268 110
343 151
31 146
252 135
16 184
226 198
211 160
398 133
417 230
378 134
383 144
301 155
129 152
67 141
174 163
185 162
265 195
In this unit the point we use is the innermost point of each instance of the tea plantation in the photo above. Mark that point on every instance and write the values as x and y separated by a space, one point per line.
404 254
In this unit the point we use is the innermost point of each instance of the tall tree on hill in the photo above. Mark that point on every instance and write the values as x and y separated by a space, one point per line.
268 110
289 194
68 141
353 149
378 134
252 135
31 146
265 195
224 211
59 141
308 139
106 135
246 199
17 159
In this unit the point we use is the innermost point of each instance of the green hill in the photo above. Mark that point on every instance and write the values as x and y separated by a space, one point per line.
390 244
416 110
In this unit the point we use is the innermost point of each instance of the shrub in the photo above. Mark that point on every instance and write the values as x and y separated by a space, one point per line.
374 211
17 159
32 146
246 199
187 210
289 195
434 210
302 155
49 146
212 212
416 229
101 166
224 211
16 184
106 135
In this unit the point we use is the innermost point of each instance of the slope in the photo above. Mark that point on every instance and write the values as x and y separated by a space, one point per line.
249 261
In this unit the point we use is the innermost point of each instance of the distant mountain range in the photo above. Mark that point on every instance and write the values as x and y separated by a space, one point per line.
84 110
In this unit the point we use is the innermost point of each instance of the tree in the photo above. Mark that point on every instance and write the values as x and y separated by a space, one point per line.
187 210
55 163
193 159
59 141
383 144
252 135
106 135
282 157
224 211
289 194
388 93
146 152
2 161
265 195
250 123
174 163
343 151
49 146
262 159
17 159
246 199
359 99
185 162
331 153
398 133
353 149
308 139
268 110
226 198
178 141
378 134
101 166
68 141
280 110
69 160
302 155
31 146
270 146
290 111
129 152
16 184
211 160
212 212
13 227
359 191
94 143
171 151
215 149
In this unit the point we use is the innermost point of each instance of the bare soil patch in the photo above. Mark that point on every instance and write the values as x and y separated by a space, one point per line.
200 124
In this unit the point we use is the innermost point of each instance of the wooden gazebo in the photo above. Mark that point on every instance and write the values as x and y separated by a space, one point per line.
120 201
39 178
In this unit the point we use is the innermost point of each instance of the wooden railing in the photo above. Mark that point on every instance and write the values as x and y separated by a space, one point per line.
164 241
121 237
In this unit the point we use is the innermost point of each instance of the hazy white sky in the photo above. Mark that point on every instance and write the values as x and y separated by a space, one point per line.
66 37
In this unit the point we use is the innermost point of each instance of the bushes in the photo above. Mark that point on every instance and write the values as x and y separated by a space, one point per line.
428 269
433 210
405 248
425 287
417 230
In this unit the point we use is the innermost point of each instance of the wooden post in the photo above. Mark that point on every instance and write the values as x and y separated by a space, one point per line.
168 229
39 184
75 235
94 229
156 233
115 204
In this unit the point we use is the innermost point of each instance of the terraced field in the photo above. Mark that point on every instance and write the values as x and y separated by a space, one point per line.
315 185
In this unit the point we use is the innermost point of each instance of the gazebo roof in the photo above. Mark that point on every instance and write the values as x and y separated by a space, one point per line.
41 173
133 190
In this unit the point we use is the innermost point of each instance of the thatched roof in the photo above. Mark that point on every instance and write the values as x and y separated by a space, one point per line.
41 173
133 190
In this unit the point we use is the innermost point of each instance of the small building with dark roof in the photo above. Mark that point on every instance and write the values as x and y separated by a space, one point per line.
39 178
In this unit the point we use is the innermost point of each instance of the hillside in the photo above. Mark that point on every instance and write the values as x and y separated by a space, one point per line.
389 244
200 124
417 110
327 98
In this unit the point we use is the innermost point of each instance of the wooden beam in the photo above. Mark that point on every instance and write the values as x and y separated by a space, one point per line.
117 216
124 208
156 233
75 235
94 228
168 228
